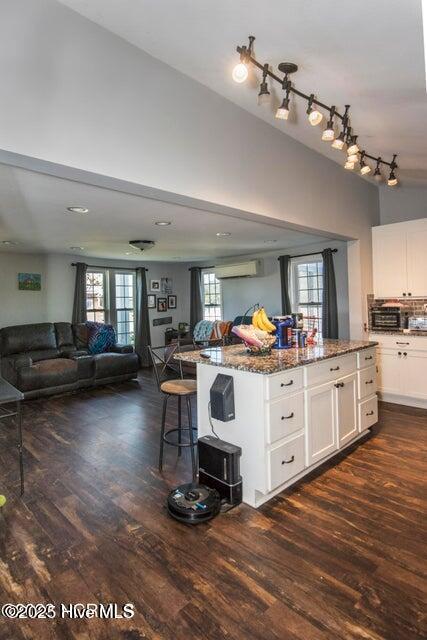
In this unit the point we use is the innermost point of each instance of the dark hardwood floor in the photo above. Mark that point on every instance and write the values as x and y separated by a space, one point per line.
341 556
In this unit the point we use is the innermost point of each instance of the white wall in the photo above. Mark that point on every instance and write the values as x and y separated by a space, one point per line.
55 301
20 307
85 98
402 204
240 293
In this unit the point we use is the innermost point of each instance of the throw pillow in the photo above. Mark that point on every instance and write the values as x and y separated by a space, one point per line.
102 337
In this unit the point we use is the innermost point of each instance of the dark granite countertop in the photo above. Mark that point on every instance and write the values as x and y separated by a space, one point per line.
236 356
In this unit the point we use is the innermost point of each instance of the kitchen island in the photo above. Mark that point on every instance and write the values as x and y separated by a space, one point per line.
294 409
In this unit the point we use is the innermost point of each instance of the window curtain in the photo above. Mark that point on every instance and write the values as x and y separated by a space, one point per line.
79 305
329 301
284 262
142 320
196 303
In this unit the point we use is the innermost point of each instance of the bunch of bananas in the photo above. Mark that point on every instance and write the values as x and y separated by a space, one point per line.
261 321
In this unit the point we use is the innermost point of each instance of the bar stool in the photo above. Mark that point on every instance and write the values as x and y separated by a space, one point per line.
163 361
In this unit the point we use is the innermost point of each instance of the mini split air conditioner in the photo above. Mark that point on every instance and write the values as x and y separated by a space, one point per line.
242 270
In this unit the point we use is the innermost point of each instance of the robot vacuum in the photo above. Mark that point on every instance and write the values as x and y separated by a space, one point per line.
193 503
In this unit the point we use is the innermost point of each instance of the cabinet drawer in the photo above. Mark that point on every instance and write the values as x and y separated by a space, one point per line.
286 461
284 383
285 416
367 379
368 413
366 358
328 370
400 342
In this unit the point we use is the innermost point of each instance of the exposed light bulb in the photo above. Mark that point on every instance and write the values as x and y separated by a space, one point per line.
264 94
353 157
365 169
392 180
315 117
377 175
349 165
353 148
240 72
282 112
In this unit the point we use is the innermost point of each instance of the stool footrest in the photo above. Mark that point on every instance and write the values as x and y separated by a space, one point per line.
179 444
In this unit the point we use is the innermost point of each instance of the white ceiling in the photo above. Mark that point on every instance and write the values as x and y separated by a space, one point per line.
368 54
33 214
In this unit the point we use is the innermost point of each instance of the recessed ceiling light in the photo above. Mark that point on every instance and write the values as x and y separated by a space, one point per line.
269 241
132 253
223 234
78 209
163 223
9 243
77 248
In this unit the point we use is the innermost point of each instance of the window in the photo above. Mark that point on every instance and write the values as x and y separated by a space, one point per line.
307 290
212 304
110 297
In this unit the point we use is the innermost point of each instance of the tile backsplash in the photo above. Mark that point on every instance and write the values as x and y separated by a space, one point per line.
413 306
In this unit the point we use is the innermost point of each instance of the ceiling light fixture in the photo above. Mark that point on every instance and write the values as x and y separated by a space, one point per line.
377 173
349 165
329 134
240 71
78 209
163 223
353 158
392 180
314 115
282 112
364 168
264 94
223 234
9 243
77 248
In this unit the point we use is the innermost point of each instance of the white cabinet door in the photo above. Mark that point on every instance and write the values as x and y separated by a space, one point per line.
414 374
346 413
321 432
416 242
390 366
389 262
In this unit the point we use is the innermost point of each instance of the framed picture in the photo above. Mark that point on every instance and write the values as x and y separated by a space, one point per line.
151 301
155 285
29 281
171 302
166 285
162 304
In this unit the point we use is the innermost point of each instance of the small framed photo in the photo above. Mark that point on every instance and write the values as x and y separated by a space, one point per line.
172 302
155 285
151 301
162 304
166 285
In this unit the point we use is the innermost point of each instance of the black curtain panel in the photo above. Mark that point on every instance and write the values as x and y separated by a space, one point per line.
196 304
284 284
329 306
79 305
142 320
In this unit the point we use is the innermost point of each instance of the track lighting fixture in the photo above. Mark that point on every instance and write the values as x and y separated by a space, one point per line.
240 71
329 134
264 94
314 115
282 112
392 180
346 136
353 147
364 168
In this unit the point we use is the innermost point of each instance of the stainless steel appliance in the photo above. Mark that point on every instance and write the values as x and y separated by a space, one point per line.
417 323
391 318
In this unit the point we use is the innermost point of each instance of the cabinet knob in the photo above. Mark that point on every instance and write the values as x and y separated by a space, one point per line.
287 384
291 415
288 461
368 357
371 413
369 382
403 294
334 369
409 294
399 353
404 353
339 384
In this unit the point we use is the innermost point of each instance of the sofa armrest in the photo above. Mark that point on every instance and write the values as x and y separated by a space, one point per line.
21 361
77 353
10 365
122 348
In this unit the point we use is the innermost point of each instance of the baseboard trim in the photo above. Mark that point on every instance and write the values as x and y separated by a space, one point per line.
405 400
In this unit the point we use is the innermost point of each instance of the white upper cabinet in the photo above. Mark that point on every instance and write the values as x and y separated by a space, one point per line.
400 259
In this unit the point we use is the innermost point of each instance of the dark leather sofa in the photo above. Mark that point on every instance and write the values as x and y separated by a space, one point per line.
47 358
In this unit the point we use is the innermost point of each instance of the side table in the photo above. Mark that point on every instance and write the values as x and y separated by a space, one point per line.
8 395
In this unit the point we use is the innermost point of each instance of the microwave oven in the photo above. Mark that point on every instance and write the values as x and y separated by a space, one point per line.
388 318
